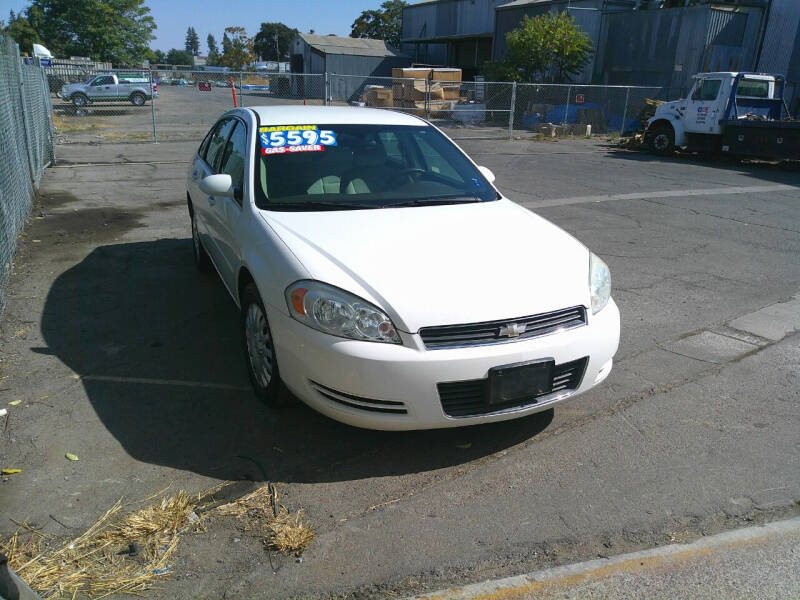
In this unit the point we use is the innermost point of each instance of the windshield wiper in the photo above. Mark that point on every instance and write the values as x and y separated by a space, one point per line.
434 202
317 205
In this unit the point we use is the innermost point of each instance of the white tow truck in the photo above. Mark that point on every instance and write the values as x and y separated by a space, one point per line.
741 114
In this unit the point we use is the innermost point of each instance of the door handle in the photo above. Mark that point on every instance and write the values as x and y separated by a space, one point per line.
211 200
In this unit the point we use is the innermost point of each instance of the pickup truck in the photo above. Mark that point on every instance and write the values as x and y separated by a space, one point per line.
111 87
740 114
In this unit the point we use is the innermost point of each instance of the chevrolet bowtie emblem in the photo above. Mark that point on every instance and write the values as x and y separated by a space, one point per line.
512 330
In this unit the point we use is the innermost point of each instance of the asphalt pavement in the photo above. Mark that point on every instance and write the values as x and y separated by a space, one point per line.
124 355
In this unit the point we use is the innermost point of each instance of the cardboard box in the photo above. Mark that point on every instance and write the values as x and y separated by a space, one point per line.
447 74
437 108
378 96
451 91
437 74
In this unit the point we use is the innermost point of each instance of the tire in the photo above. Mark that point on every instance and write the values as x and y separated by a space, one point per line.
201 260
79 100
662 140
138 99
259 351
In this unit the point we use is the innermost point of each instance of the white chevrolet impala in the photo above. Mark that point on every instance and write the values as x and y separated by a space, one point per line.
384 280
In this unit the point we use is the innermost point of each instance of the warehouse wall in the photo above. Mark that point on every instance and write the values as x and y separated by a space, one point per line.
666 47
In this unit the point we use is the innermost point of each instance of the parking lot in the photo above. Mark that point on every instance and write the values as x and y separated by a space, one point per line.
125 355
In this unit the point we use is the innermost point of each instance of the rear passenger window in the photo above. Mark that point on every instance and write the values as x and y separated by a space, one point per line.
217 142
232 161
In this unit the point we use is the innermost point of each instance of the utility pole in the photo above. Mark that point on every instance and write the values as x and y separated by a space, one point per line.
277 48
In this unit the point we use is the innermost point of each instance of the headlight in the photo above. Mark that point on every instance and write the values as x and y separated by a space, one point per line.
334 311
599 283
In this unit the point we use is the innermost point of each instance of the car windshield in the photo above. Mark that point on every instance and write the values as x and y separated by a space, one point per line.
340 167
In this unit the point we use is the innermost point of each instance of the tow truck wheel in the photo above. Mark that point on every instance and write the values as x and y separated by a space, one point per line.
662 140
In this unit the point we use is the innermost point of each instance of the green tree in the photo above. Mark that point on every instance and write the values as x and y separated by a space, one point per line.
157 57
384 23
192 43
213 50
237 48
267 47
179 57
20 29
116 31
547 48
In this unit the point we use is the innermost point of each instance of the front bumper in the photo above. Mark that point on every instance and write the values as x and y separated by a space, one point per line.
407 376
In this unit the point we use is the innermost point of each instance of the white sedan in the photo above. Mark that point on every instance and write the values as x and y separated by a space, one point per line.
384 280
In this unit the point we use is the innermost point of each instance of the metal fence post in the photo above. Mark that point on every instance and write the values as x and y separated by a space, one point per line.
26 122
241 89
153 108
566 108
511 112
428 98
326 90
625 112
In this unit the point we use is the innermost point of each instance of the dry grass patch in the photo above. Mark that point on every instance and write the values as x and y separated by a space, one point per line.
128 553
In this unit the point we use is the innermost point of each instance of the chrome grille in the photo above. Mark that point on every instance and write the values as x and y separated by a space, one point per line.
506 330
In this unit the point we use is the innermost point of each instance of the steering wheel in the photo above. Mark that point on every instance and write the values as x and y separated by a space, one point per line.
411 172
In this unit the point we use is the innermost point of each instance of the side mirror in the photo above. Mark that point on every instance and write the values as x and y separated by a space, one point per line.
487 172
217 185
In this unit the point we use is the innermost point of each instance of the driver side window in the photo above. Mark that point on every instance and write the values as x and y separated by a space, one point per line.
233 159
707 90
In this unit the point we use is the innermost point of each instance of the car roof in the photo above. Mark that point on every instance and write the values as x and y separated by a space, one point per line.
340 115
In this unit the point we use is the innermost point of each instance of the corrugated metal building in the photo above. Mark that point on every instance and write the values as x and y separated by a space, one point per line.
780 50
344 56
588 14
454 33
665 47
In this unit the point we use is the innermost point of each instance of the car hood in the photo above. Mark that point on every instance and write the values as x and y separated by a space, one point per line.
441 265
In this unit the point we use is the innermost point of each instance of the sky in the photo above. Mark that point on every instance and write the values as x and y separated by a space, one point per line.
173 17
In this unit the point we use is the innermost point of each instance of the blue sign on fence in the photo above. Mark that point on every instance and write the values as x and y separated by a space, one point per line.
44 62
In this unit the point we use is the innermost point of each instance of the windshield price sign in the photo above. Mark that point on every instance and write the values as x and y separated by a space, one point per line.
289 139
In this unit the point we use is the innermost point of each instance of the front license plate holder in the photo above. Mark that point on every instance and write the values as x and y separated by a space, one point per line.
510 383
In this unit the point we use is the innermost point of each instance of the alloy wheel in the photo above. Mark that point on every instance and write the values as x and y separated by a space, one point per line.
259 344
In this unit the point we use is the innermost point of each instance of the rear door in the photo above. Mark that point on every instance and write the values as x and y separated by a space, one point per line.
206 163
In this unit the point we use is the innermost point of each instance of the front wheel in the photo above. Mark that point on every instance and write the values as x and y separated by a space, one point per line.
80 100
662 140
137 99
259 350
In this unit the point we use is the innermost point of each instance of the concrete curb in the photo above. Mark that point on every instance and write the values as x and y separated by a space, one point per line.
524 586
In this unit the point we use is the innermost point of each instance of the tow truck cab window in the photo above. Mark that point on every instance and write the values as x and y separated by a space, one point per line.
707 90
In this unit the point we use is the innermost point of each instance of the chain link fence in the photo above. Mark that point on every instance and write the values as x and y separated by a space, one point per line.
98 105
26 145
489 110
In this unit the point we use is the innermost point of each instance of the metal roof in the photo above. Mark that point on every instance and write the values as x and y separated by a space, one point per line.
333 44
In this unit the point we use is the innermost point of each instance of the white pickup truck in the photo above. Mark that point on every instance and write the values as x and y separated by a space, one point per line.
111 87
740 114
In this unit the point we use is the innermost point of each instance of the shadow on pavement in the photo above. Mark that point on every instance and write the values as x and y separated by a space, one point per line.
780 172
142 318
